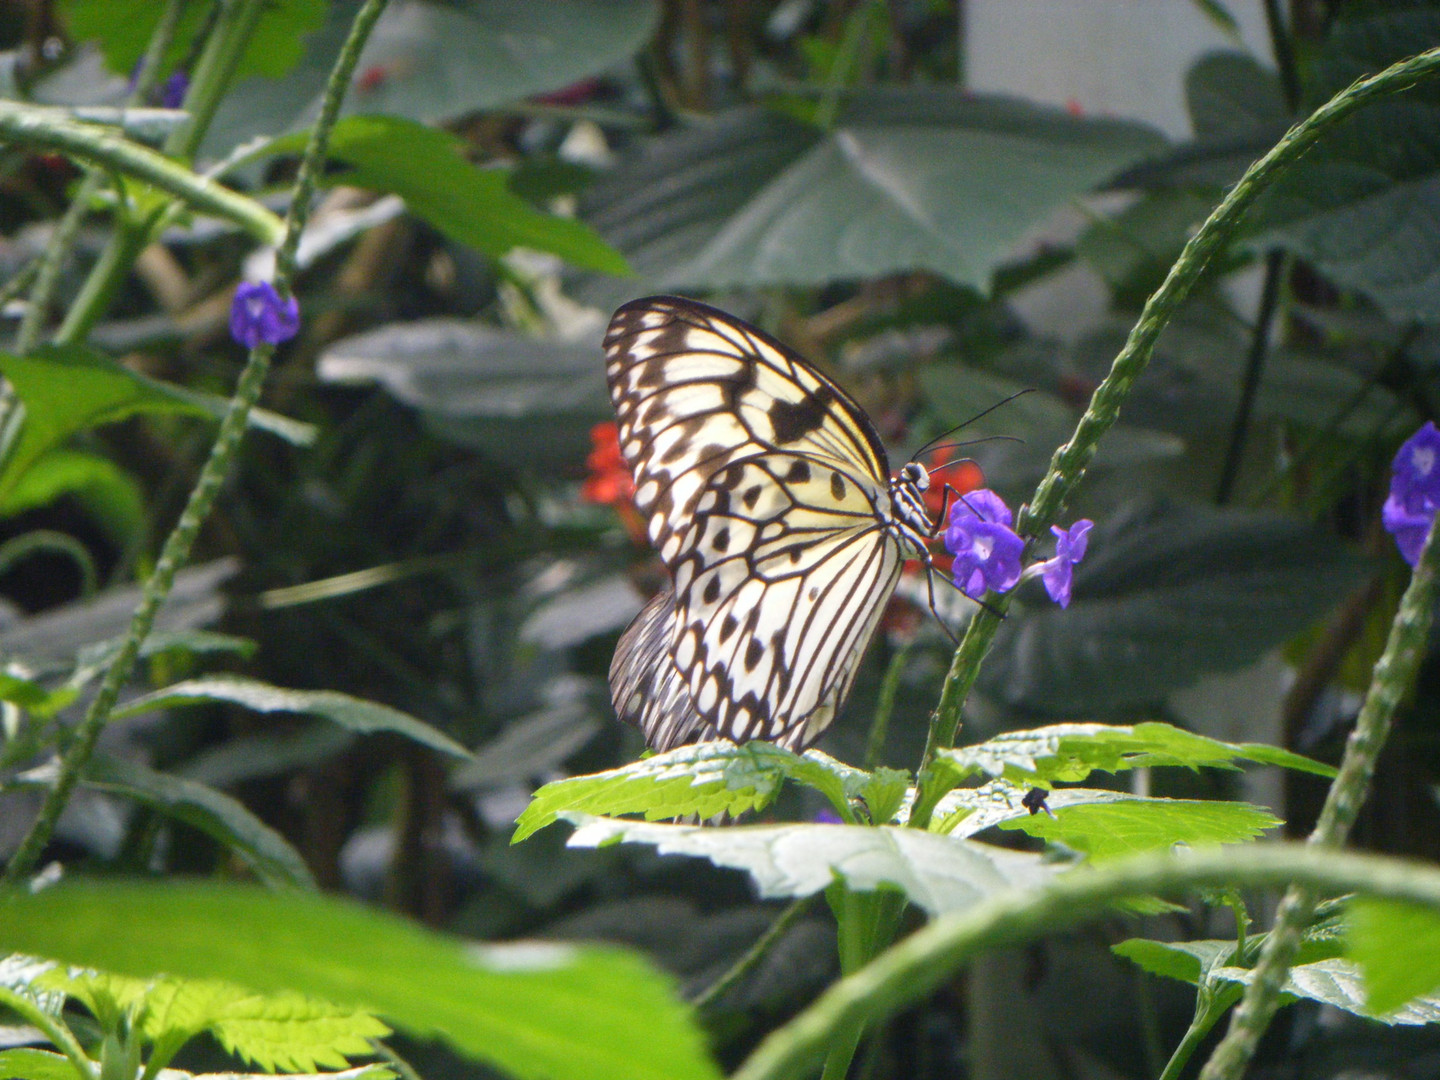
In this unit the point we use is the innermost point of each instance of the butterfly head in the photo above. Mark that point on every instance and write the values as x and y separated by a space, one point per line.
915 475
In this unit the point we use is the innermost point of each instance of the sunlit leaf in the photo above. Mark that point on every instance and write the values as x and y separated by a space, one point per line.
1123 827
534 1010
1397 946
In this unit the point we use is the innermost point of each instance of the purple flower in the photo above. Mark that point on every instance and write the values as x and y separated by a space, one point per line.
826 816
1070 547
1414 491
987 551
172 92
258 315
1409 529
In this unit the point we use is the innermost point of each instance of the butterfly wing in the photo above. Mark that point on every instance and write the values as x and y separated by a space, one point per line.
765 489
645 685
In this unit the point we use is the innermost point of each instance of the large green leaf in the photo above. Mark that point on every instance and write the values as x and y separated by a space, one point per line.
349 712
110 493
939 873
1166 595
27 1063
123 29
532 1009
214 813
1105 830
916 178
428 169
1338 982
433 62
1364 205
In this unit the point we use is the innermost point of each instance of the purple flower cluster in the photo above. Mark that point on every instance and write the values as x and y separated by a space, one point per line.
258 315
988 551
1414 491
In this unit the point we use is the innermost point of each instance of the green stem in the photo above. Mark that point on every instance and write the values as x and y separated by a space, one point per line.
1207 1015
177 546
58 1034
228 38
753 955
49 128
889 687
1394 677
1067 466
912 969
103 281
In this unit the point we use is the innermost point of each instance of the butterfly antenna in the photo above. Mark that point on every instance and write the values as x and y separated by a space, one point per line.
974 442
978 416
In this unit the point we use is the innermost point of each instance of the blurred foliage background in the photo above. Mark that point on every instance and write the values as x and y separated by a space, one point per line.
436 541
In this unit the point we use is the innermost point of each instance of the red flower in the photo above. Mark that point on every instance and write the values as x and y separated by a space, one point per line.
610 482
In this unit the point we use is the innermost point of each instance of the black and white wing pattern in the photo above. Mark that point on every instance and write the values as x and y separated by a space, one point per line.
766 491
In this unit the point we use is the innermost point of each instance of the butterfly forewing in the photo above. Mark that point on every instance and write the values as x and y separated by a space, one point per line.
765 489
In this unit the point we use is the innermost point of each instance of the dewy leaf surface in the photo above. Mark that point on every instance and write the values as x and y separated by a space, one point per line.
534 1010
938 873
349 712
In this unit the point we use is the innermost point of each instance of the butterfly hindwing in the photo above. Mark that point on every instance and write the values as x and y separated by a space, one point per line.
765 489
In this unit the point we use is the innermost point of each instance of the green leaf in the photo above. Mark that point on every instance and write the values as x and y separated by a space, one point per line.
939 873
532 1009
24 975
1166 595
428 169
703 779
34 698
217 815
909 179
435 62
1128 826
123 29
1185 961
25 1063
1070 752
1363 206
72 388
349 712
111 494
1397 946
1338 982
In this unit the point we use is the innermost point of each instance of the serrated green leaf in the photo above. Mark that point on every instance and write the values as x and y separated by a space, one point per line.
938 873
27 1063
1185 961
349 712
967 811
1107 830
533 1009
703 779
1338 982
884 793
1070 752
224 819
1397 946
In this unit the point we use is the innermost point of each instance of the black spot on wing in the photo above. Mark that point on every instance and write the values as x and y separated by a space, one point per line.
799 472
837 486
793 420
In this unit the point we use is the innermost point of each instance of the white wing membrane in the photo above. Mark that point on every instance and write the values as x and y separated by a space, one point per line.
765 489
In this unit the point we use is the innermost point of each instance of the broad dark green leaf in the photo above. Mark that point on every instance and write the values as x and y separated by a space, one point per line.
540 1010
486 387
939 873
1397 946
435 62
909 179
1167 594
123 29
217 815
1363 206
349 712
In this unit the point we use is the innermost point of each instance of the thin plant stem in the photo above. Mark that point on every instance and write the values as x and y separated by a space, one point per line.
911 970
177 546
20 281
752 956
1068 465
1275 264
1394 677
885 705
58 1034
225 42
